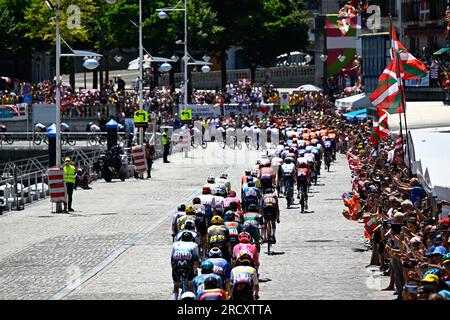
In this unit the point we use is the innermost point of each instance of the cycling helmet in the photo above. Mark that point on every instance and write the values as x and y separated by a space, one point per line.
252 208
248 172
233 206
446 258
211 283
206 190
224 175
187 236
232 194
244 260
229 216
215 253
207 266
189 225
258 161
188 295
251 183
190 210
197 200
288 161
181 208
211 179
254 173
217 220
218 191
244 237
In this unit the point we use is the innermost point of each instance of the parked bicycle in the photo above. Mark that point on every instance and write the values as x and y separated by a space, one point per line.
5 138
96 139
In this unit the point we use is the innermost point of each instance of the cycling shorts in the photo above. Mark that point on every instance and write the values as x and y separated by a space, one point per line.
176 273
302 185
270 213
252 230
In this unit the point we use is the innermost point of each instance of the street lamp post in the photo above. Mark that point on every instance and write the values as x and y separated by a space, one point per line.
163 15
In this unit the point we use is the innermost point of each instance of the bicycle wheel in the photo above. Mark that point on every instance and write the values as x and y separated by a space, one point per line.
37 140
194 144
9 139
269 236
71 141
92 140
204 144
222 144
302 202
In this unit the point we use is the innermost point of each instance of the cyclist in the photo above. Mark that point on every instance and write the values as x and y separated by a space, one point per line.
231 198
39 127
224 183
219 197
219 236
207 272
189 226
65 127
231 133
234 227
252 222
303 176
252 194
288 171
271 213
268 176
184 259
222 132
211 182
244 280
212 290
94 128
221 266
201 221
207 200
246 247
180 212
189 215
255 175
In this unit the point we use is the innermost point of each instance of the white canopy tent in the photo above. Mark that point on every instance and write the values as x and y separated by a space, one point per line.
308 88
430 154
358 101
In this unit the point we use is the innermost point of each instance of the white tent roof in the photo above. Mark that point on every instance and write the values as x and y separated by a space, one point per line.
309 88
358 101
430 155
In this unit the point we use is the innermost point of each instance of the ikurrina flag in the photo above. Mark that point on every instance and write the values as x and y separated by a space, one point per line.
370 225
410 66
355 210
389 94
380 129
342 43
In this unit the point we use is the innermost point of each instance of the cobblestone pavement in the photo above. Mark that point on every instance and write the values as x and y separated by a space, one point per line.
117 244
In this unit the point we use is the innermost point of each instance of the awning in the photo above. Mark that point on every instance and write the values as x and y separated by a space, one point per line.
308 88
356 115
441 51
357 101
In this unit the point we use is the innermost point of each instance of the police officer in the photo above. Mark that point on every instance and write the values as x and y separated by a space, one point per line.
166 145
69 178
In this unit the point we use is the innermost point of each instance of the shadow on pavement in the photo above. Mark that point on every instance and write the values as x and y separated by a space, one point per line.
264 280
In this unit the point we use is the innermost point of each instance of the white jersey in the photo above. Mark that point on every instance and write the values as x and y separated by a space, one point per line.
288 168
218 200
95 128
309 157
246 131
206 199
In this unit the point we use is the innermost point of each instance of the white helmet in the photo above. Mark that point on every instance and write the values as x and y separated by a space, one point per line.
254 173
224 175
188 295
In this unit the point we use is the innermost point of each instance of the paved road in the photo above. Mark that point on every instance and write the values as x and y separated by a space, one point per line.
117 244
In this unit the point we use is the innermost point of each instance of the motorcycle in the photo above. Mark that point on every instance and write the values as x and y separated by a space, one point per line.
113 164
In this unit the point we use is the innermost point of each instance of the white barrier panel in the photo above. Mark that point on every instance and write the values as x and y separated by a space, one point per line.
140 161
56 185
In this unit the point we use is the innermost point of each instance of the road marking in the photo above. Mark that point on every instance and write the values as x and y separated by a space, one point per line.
121 248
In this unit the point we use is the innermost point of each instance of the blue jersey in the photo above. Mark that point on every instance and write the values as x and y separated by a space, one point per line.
200 280
252 192
221 267
184 253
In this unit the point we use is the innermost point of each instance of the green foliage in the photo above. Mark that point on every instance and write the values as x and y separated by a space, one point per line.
39 25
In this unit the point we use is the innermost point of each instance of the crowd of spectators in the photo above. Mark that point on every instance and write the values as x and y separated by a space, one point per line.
408 231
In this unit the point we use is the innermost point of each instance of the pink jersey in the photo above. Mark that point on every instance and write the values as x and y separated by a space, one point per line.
247 248
227 201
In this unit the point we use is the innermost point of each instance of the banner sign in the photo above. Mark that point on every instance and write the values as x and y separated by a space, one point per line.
9 112
202 110
44 113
